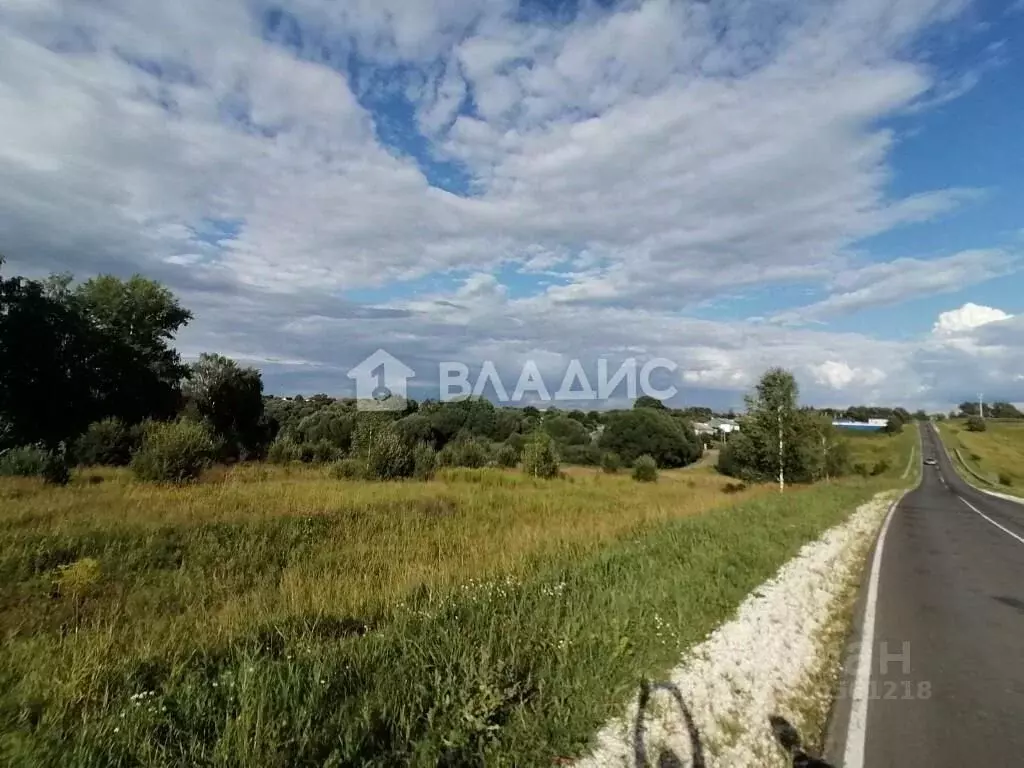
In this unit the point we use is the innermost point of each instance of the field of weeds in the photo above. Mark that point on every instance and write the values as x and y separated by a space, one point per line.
275 616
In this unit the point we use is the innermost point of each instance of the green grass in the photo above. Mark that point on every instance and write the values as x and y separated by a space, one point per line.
874 448
275 617
996 454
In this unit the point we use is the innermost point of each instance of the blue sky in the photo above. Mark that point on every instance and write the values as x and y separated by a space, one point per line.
830 185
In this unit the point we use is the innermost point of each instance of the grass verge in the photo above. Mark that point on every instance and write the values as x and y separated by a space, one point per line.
996 454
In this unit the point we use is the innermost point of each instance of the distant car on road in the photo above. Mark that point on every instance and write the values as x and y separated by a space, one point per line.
930 462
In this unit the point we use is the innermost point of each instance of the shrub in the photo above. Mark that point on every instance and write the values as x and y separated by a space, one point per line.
540 458
173 452
108 443
611 463
56 470
283 451
881 467
24 461
1005 478
78 579
585 455
506 456
424 460
388 456
325 452
862 469
348 469
976 424
645 469
469 452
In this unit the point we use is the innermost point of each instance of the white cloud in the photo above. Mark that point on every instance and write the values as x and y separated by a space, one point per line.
839 375
967 318
896 281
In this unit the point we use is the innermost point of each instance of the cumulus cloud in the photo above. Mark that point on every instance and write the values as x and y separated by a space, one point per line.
625 166
967 318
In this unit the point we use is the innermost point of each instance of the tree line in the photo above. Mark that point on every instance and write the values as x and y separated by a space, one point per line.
89 376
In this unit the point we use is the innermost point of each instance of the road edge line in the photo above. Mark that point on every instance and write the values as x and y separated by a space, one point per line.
857 655
989 519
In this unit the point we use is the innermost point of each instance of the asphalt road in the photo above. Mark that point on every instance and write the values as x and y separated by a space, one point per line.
947 677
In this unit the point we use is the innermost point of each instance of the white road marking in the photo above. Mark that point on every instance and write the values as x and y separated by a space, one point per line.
989 519
856 733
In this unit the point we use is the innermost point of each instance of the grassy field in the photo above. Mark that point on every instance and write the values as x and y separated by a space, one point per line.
876 449
277 617
997 453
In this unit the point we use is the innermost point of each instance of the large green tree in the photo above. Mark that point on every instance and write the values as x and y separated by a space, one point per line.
73 355
631 434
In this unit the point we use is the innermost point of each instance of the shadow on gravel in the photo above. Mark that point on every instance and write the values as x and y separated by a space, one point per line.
665 758
1012 602
789 739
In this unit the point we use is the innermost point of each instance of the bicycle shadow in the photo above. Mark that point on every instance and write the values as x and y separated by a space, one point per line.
666 757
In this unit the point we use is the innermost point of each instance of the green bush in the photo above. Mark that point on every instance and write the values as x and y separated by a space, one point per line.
424 460
645 469
107 443
976 424
56 468
862 469
1005 478
583 455
469 452
611 463
388 456
880 468
506 456
24 461
540 459
173 452
349 469
284 451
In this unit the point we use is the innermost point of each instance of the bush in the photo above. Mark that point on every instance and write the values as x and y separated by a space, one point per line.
506 456
540 458
880 468
56 470
1005 478
611 463
424 461
862 469
173 452
976 424
585 455
645 469
108 443
388 456
25 461
348 469
470 452
284 451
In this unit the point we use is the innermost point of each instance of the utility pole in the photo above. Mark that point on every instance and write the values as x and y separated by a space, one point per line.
981 405
782 479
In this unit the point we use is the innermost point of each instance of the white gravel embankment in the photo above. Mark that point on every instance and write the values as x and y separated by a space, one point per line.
752 666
